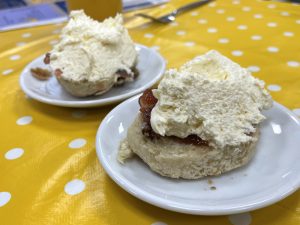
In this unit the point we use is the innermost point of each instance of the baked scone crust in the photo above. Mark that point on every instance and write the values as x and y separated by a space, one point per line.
85 88
177 160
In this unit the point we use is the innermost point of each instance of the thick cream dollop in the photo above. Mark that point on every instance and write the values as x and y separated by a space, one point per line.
90 50
212 97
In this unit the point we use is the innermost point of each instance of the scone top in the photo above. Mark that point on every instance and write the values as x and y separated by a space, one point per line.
212 97
90 50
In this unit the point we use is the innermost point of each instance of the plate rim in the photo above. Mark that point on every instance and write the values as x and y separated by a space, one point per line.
157 201
96 102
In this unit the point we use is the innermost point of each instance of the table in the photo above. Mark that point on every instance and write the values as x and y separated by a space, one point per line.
49 170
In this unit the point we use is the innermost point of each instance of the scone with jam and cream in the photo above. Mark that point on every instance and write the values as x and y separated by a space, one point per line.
202 120
91 57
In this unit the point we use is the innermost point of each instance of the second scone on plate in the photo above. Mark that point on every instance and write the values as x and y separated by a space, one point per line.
202 120
91 57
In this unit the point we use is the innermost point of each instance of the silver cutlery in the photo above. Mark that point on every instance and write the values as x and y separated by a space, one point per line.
171 16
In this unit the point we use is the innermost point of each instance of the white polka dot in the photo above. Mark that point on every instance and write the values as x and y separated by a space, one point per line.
26 35
14 57
212 30
181 32
24 120
14 153
174 24
78 114
4 198
293 63
242 27
258 16
220 11
159 223
162 6
285 13
202 21
148 35
212 4
20 44
253 69
298 21
297 111
230 18
271 6
256 37
240 219
246 8
223 40
74 187
236 2
189 44
237 53
57 31
53 42
6 72
288 34
274 87
194 13
273 49
155 48
77 143
272 24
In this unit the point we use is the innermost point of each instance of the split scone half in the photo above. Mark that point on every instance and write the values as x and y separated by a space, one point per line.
92 57
202 120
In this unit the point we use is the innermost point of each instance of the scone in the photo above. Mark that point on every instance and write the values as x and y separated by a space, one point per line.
202 120
176 159
91 57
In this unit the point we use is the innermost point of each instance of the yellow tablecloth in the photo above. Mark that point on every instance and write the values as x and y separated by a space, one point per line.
49 172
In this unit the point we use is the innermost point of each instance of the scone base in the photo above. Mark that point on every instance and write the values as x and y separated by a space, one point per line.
89 88
177 160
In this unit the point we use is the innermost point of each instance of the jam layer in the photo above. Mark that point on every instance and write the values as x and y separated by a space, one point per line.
147 102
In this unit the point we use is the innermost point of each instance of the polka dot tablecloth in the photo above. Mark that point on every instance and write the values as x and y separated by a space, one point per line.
49 170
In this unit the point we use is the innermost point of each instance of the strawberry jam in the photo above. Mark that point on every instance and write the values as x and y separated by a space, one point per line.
147 102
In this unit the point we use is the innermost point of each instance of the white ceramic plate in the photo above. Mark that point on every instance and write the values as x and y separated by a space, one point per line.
272 175
151 67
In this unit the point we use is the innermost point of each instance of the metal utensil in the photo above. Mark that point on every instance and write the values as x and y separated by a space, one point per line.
171 16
